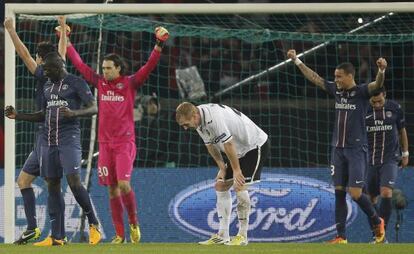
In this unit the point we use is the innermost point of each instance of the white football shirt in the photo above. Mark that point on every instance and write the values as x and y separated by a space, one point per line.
221 123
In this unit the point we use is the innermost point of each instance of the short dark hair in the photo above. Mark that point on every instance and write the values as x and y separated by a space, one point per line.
347 67
118 62
44 48
54 60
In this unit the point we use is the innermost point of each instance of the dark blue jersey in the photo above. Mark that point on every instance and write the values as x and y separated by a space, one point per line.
41 79
71 92
383 126
350 110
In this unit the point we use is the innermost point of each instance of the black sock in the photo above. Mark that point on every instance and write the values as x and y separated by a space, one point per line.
367 207
62 216
55 213
385 209
83 199
341 212
29 203
370 221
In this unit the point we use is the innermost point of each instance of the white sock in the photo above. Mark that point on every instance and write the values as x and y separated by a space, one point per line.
243 211
224 204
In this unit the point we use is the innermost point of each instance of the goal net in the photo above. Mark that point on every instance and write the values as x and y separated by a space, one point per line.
234 59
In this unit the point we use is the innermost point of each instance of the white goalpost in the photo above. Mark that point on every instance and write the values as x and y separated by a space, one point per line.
11 10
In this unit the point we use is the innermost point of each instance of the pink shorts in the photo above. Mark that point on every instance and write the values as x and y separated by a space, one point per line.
115 162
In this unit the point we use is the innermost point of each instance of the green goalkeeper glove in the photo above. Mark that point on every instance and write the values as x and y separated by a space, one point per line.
162 35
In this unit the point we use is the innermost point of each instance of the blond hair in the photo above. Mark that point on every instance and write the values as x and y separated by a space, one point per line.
185 110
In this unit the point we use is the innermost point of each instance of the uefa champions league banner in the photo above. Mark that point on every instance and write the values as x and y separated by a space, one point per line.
178 205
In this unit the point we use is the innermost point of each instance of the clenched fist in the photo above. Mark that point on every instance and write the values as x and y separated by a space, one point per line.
382 63
291 54
10 112
161 33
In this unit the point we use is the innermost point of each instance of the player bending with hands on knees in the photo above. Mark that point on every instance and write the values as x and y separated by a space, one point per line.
31 167
349 153
246 147
63 96
116 130
388 146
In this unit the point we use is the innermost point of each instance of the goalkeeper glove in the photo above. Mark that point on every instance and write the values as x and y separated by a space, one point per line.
58 30
162 35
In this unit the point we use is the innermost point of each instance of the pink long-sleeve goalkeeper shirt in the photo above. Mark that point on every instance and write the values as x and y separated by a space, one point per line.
116 98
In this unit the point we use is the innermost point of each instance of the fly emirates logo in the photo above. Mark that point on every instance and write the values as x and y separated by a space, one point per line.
111 96
344 105
379 126
55 101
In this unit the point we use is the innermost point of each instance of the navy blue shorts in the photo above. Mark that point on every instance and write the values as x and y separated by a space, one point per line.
348 166
383 175
32 165
58 160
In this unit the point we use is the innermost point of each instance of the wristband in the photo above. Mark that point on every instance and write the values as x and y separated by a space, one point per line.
297 61
405 154
159 43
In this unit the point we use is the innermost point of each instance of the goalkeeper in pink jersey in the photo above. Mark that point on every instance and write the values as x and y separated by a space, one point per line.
116 132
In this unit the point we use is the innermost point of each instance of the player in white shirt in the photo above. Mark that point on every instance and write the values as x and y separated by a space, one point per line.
246 146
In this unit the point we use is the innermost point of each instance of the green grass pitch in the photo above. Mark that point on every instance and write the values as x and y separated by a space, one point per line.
190 248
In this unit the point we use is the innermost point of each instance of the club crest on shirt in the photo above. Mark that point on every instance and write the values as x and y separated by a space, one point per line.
388 114
119 85
65 87
352 94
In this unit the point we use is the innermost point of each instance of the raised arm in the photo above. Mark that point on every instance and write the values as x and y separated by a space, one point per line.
142 74
379 80
87 72
404 147
21 49
62 36
11 113
306 71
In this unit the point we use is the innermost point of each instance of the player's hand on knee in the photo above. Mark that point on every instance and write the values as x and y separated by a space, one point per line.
10 112
66 112
238 178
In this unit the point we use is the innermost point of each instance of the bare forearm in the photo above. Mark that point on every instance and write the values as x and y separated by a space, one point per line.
89 110
216 156
404 140
311 75
62 46
22 51
231 154
31 117
378 83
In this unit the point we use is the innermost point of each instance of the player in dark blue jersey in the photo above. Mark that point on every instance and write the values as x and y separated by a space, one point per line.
63 94
349 142
388 146
31 168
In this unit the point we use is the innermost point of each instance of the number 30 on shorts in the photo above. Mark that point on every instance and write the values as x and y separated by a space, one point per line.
332 170
102 171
